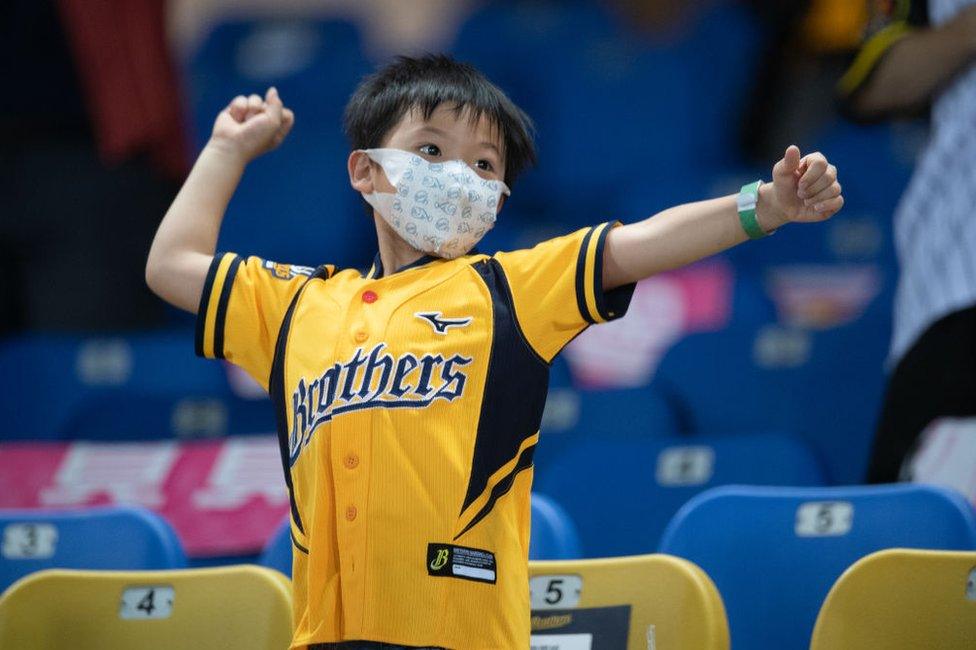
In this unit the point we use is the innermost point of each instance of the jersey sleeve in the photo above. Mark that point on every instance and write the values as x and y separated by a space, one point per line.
891 20
557 288
241 309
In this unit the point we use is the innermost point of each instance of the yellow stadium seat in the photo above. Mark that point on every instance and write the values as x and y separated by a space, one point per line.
901 599
637 602
227 607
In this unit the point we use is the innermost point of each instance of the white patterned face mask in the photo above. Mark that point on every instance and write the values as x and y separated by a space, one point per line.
443 209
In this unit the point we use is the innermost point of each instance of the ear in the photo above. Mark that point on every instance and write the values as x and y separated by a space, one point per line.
360 172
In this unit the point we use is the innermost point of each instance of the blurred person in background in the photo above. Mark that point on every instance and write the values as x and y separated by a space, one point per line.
806 45
918 55
92 150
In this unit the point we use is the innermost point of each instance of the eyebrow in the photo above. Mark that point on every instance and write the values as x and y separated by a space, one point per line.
492 145
432 129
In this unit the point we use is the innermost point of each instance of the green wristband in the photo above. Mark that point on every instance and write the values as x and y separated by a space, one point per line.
746 202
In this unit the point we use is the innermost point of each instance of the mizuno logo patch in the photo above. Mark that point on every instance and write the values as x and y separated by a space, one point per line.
441 325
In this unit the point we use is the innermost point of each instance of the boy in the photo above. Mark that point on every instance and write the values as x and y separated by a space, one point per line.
409 397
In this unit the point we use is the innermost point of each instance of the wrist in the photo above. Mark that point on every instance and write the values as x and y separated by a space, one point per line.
768 213
227 151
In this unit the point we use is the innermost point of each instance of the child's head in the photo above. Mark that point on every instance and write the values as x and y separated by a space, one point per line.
440 109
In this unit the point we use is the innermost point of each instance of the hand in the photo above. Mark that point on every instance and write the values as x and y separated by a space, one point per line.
803 189
250 126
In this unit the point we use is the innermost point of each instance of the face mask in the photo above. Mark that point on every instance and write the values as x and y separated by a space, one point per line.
440 208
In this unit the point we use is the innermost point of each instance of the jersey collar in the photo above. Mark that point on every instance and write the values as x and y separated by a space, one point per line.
376 270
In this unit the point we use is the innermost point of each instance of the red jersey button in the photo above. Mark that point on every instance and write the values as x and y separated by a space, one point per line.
369 296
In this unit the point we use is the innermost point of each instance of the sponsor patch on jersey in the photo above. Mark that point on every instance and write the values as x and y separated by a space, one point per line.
287 271
440 323
448 560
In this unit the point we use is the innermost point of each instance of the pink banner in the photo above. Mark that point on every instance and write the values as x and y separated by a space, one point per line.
223 497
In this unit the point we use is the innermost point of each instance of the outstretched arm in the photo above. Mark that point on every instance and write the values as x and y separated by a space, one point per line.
187 237
803 189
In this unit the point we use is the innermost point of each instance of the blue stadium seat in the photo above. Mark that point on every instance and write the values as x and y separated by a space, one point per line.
775 552
621 492
277 552
294 205
825 386
721 382
573 414
118 537
145 386
553 537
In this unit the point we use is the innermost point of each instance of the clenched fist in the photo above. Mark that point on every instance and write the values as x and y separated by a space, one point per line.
251 126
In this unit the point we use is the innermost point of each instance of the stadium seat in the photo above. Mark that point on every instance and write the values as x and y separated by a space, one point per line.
774 552
553 537
118 537
824 386
137 387
221 608
621 492
599 413
901 600
277 552
648 601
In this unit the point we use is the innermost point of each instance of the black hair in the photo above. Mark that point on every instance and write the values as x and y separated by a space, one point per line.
426 82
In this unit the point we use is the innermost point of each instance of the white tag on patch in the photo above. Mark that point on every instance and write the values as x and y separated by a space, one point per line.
683 466
147 603
29 541
555 592
824 518
561 642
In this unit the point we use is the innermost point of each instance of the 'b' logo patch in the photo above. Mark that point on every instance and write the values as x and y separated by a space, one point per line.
449 561
440 561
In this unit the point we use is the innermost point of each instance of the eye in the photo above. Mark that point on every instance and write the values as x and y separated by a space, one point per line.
429 150
485 165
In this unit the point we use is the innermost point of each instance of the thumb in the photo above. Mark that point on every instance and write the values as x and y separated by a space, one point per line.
787 167
791 160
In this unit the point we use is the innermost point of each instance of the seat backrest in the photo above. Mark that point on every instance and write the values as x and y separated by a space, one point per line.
624 603
226 607
277 552
774 552
554 535
118 537
901 599
137 387
774 378
621 492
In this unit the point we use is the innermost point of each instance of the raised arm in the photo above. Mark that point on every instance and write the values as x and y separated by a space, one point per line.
803 189
902 67
187 237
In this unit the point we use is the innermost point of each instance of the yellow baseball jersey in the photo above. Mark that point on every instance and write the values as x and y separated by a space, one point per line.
408 412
